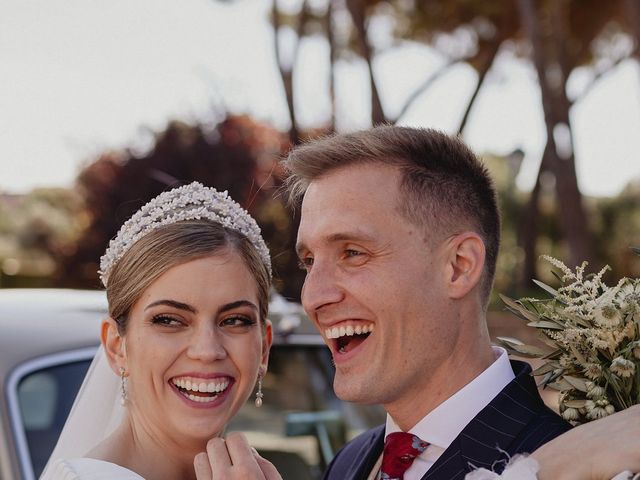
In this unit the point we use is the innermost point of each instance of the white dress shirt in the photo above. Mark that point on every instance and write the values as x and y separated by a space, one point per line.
443 424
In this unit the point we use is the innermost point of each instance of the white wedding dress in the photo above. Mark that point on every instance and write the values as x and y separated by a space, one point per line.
87 469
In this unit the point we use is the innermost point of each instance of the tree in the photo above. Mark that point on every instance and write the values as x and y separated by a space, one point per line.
238 155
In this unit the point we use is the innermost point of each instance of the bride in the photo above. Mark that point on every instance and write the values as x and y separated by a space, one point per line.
186 341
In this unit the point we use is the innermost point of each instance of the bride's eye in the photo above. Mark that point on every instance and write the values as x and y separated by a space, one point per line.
167 320
237 321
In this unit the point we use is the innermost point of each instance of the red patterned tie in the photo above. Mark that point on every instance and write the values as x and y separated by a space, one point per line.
400 450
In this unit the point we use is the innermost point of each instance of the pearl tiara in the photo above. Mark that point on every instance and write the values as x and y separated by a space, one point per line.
189 202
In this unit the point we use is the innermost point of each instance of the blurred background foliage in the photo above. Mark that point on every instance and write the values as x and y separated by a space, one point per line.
54 237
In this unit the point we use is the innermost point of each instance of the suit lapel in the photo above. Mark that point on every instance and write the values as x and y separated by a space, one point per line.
486 440
367 456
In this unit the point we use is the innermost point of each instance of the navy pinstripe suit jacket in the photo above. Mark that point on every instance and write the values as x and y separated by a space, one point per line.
515 421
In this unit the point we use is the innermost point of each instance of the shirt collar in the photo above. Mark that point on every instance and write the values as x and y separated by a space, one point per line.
444 423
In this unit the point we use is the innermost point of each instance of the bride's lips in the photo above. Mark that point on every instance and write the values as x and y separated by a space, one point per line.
202 390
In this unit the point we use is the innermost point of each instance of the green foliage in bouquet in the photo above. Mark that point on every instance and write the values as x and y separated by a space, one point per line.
593 332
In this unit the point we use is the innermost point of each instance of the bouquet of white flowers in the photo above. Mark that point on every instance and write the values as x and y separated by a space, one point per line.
593 334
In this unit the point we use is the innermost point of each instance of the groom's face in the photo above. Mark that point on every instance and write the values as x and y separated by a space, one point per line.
375 286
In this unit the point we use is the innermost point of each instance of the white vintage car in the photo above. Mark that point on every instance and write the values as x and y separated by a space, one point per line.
48 338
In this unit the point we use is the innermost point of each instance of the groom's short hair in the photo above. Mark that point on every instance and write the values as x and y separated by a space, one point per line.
444 186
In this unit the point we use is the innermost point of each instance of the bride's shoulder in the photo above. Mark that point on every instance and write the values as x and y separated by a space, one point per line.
87 469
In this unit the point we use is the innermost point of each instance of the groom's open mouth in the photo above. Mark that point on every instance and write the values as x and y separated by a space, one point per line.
200 390
348 337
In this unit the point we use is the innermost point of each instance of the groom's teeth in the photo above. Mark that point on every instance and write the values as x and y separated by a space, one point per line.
349 331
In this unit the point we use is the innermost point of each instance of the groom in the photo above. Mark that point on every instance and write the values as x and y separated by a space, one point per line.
399 236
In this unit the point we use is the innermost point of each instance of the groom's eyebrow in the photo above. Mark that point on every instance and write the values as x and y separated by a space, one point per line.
172 303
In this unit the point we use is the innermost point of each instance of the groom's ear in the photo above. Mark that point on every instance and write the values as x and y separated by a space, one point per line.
113 344
465 263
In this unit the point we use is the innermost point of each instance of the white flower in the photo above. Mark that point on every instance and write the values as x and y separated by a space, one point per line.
596 413
606 314
622 367
593 371
596 392
628 296
571 414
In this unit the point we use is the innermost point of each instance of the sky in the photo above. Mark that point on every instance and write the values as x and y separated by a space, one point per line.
78 77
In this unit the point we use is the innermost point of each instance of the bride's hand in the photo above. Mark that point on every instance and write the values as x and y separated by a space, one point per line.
233 459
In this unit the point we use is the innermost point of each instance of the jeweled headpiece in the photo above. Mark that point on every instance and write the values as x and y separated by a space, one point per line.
190 202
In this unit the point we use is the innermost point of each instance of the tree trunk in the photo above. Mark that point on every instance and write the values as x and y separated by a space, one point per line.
528 228
548 61
357 9
332 65
286 73
486 60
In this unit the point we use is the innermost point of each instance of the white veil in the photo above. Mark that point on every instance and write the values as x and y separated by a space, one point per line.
95 414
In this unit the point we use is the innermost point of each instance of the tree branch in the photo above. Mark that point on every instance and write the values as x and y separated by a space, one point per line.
423 87
484 68
597 77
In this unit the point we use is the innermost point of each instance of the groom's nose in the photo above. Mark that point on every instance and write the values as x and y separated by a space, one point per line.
206 344
321 287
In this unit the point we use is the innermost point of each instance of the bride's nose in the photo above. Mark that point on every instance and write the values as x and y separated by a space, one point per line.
206 344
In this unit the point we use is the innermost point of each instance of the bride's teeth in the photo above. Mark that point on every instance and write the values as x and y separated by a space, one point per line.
350 331
358 329
202 387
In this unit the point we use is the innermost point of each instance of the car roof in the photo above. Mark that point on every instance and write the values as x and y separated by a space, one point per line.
36 322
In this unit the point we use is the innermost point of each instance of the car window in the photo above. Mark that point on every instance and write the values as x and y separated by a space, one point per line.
44 398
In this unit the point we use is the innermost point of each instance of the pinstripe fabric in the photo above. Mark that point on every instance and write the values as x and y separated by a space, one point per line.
515 421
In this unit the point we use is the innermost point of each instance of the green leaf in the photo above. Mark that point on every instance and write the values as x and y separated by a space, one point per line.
544 286
529 351
518 310
546 368
510 341
575 382
560 385
546 324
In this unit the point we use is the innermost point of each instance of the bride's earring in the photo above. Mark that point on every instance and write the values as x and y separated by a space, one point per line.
259 394
123 387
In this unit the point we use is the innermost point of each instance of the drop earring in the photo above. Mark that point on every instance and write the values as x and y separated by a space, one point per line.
123 387
259 394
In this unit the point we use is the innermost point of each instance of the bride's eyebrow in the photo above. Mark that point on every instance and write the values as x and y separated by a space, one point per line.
172 303
238 304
